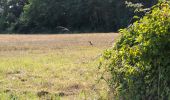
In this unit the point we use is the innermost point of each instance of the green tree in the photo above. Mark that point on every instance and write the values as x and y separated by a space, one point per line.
139 62
10 11
3 14
76 15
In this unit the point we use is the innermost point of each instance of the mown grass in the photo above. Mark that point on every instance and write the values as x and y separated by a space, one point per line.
68 72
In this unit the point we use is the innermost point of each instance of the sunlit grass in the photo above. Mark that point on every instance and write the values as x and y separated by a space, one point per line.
69 72
55 71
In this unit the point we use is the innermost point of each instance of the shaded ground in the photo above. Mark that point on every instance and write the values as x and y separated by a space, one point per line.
52 66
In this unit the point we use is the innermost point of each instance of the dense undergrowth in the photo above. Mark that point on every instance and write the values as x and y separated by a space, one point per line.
139 62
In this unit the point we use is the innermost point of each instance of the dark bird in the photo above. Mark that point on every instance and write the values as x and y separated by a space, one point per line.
62 29
90 43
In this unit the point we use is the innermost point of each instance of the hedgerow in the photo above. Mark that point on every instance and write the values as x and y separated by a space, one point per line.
139 62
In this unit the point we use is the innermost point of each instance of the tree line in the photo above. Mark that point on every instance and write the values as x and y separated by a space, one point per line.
25 16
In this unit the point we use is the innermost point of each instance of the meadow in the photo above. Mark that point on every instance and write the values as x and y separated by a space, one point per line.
53 67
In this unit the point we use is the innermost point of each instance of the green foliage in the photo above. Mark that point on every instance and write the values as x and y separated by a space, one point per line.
139 62
10 11
81 15
75 15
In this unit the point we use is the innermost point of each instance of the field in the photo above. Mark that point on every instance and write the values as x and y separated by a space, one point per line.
52 67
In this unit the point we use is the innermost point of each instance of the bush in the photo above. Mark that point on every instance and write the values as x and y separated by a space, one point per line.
139 62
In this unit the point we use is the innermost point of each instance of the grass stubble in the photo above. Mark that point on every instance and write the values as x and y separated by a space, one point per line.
52 67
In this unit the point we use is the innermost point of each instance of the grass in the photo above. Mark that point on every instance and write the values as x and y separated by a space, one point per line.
52 67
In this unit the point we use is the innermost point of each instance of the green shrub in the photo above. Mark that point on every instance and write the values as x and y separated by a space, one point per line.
139 62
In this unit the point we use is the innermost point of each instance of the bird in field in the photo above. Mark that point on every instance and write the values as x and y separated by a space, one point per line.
90 43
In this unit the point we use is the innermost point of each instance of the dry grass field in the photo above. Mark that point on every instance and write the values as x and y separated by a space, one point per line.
52 67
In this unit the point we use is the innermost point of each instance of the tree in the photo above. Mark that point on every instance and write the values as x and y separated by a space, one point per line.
139 62
3 14
10 12
75 15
